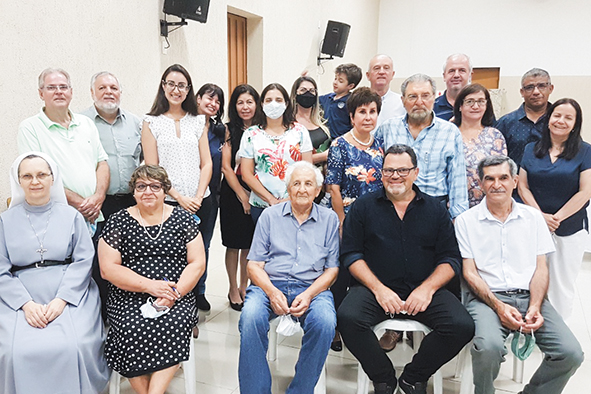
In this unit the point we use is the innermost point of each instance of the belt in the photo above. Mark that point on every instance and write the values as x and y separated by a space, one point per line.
513 292
38 264
119 195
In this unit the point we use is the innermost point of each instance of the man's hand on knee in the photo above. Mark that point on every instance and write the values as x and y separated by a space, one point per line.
300 304
389 300
278 303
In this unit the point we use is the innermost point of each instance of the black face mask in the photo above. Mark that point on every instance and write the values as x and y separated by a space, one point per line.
306 100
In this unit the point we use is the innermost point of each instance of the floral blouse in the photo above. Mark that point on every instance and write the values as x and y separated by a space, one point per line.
356 171
272 155
489 142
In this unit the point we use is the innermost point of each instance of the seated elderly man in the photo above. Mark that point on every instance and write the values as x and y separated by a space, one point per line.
293 260
504 246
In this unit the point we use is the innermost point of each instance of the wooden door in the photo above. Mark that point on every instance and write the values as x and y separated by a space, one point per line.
236 51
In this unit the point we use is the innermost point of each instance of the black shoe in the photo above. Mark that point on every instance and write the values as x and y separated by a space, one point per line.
236 306
202 303
384 388
417 388
337 343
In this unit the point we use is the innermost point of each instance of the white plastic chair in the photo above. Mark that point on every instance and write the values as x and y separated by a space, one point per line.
189 371
464 369
320 387
418 331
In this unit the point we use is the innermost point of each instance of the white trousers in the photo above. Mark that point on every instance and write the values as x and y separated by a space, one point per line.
564 266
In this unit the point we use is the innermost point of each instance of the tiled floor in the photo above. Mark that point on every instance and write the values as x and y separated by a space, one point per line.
218 345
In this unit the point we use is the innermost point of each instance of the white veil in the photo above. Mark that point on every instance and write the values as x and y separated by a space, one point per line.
18 195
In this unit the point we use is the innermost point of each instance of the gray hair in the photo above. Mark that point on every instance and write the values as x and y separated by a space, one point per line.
100 74
379 55
417 78
457 55
49 71
304 165
491 161
535 72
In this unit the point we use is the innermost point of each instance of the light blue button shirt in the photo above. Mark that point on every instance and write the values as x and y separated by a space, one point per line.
121 141
291 250
440 155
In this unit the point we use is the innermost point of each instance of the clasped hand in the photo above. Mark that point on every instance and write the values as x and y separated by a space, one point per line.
39 316
299 306
417 301
512 319
164 291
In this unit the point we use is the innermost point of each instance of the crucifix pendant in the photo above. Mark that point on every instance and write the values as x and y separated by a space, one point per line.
41 250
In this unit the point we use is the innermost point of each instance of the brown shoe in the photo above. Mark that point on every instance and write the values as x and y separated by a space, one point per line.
389 340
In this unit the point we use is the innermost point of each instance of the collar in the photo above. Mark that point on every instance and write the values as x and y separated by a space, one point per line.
442 100
484 214
94 113
381 194
388 94
521 113
74 121
433 120
344 98
314 214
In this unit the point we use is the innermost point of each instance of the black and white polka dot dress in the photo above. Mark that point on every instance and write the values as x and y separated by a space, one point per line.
136 345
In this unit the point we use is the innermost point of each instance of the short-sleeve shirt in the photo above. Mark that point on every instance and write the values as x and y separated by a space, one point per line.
291 250
391 107
519 131
553 184
180 157
506 253
336 114
489 142
356 171
272 155
77 150
121 141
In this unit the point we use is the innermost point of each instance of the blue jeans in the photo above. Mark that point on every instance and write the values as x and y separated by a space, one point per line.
208 214
318 322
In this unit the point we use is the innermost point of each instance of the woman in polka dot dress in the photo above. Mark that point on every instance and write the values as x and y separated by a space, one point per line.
152 254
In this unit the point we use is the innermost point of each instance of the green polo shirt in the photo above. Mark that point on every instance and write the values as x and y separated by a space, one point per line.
77 150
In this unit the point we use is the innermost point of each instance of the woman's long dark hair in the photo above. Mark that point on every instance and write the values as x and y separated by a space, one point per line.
288 116
573 142
216 125
489 114
236 125
161 104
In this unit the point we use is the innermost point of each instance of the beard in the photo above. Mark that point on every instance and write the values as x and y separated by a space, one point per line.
108 107
419 116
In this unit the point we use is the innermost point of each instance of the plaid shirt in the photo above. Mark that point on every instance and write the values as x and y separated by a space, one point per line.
440 154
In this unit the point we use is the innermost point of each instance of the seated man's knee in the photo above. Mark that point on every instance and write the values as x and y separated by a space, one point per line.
489 349
571 355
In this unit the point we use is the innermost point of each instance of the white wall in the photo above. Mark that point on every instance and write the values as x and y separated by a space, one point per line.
84 36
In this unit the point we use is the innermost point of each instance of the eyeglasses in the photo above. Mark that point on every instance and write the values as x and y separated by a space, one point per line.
412 98
40 177
402 172
53 88
169 86
540 86
304 90
471 102
142 187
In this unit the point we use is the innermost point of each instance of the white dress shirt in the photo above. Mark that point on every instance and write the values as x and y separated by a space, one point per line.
391 107
505 253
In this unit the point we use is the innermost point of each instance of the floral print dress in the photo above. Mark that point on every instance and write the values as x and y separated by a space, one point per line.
489 142
356 171
272 155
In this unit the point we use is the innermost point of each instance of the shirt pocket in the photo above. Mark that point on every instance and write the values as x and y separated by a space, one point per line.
320 253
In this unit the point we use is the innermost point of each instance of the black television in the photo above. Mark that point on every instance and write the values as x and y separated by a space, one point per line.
187 9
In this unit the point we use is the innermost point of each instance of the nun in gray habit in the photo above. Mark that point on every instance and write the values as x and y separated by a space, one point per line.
51 333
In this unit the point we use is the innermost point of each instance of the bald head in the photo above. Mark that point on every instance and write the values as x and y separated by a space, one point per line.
380 73
457 73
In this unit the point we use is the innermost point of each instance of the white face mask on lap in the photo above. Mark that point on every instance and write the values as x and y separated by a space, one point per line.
274 110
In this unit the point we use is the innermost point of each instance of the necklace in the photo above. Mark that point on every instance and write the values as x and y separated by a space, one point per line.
362 143
41 249
146 230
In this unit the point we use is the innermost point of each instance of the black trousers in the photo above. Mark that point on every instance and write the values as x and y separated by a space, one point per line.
452 329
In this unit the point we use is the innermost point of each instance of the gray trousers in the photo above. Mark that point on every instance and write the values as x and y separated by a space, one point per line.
562 352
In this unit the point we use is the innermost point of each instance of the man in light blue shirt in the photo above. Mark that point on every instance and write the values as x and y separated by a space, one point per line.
437 143
292 262
119 132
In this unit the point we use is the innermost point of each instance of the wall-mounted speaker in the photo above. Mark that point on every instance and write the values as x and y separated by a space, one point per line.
187 9
335 38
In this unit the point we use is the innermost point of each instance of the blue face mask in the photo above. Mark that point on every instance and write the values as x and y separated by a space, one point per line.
529 343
